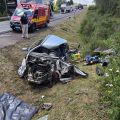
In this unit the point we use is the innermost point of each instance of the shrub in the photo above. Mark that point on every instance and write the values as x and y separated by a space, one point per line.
56 8
92 7
110 90
103 30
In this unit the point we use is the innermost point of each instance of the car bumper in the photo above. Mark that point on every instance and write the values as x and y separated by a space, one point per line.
17 26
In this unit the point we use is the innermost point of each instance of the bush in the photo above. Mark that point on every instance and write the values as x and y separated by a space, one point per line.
107 6
110 90
96 30
56 9
118 11
92 7
103 30
2 7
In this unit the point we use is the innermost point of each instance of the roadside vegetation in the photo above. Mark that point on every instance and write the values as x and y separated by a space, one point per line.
101 28
2 8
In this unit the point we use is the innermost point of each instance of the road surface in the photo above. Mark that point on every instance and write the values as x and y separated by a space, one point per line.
8 37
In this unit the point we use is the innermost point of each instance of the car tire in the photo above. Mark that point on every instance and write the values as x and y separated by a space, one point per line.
33 28
99 71
13 30
46 25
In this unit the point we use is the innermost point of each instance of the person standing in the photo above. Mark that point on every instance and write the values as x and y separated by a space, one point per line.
24 25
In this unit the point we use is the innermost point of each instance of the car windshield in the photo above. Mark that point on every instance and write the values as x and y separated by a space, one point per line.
36 43
19 12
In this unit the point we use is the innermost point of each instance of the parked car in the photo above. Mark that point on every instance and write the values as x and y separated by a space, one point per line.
65 8
79 6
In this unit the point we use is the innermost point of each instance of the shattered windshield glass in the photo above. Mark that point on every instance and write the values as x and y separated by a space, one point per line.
36 43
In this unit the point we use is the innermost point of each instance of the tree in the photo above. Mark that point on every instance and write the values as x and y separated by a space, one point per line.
2 6
71 2
107 5
58 3
63 1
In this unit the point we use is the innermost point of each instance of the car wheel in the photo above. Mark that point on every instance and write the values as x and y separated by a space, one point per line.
46 25
99 71
33 28
13 29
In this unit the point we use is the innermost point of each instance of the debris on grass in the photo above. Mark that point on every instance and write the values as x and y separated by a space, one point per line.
44 118
46 106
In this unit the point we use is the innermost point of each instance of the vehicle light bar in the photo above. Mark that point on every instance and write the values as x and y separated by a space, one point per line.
26 5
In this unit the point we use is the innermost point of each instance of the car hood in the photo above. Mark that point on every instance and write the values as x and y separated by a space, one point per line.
52 42
15 18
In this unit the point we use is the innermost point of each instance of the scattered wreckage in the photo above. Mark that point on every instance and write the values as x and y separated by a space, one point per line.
96 59
101 56
49 61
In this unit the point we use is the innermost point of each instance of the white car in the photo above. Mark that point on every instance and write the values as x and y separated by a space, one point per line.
65 8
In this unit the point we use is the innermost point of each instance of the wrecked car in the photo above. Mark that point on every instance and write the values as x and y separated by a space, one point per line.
49 61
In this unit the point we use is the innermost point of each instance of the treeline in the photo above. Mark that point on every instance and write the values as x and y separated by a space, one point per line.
2 8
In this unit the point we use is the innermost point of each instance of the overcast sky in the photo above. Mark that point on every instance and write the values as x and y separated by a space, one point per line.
88 2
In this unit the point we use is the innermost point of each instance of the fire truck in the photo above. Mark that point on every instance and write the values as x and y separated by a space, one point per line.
38 15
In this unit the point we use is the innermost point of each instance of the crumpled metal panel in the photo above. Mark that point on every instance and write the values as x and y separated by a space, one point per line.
52 42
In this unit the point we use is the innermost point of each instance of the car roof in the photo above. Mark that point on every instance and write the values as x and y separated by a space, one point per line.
53 41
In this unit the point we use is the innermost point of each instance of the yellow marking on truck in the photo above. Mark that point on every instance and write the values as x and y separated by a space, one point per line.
41 19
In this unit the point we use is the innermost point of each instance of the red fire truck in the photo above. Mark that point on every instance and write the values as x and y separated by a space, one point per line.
38 15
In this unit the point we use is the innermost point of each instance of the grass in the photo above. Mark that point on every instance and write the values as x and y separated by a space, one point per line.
77 100
102 30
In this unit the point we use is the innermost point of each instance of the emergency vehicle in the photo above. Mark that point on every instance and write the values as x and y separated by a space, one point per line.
38 15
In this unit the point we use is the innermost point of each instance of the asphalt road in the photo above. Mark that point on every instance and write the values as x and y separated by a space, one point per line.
9 37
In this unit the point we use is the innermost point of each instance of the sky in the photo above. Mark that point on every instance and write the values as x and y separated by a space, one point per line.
88 2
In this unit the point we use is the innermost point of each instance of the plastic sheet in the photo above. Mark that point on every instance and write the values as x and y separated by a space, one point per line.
12 108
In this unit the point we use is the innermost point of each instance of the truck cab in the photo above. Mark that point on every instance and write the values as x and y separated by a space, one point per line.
38 15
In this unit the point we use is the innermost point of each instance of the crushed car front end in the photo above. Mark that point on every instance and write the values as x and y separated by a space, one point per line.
48 62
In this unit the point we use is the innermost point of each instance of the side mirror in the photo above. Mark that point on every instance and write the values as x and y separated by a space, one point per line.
25 49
